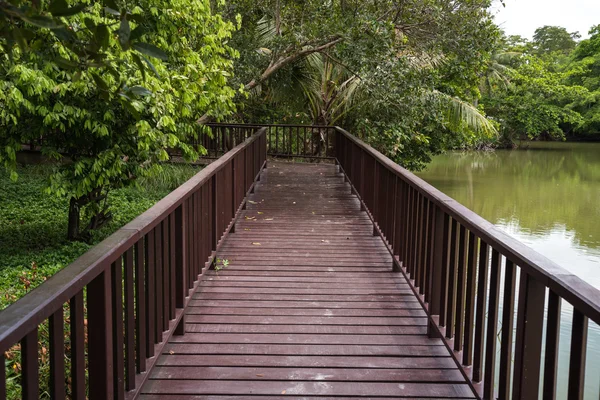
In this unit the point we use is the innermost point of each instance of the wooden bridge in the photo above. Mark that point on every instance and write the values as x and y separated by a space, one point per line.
348 278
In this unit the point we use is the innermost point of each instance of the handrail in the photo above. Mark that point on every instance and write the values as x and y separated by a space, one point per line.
152 257
455 262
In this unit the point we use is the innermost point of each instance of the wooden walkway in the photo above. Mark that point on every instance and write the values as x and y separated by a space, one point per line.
307 308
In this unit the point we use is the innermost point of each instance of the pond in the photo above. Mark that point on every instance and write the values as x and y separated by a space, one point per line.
547 195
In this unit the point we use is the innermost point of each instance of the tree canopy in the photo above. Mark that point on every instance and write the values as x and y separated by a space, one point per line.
106 113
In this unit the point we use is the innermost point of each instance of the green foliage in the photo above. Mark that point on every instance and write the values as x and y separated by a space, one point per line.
32 224
551 39
397 73
110 113
548 88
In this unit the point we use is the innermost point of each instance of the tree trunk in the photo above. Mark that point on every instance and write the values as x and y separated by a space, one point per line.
74 216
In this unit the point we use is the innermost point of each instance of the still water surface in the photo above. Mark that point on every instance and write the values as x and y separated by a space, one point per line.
548 197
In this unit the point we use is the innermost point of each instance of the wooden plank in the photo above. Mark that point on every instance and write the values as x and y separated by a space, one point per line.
312 329
308 374
308 388
306 361
305 312
274 338
298 320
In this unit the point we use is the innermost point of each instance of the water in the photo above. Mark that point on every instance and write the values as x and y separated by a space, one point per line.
548 197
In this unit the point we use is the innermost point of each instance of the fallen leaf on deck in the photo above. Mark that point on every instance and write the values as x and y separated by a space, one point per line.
283 392
260 375
268 219
260 212
252 202
246 229
171 352
256 243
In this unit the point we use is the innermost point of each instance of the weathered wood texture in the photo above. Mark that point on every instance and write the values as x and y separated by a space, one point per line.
308 306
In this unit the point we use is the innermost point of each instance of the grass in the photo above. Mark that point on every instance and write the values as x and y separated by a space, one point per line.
33 225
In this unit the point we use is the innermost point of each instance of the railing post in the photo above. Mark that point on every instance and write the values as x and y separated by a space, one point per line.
437 265
181 263
528 349
215 207
100 352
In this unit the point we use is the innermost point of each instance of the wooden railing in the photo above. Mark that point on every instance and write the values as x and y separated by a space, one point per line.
470 276
286 141
123 299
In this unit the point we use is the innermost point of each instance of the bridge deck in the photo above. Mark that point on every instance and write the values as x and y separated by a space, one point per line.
308 307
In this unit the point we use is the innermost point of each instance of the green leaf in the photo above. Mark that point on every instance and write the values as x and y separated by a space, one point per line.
112 11
124 32
140 91
139 18
60 8
111 4
66 64
100 82
151 66
101 36
42 22
150 50
89 23
137 33
140 65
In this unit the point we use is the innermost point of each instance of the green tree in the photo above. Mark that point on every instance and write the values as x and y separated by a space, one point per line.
584 70
415 60
110 122
549 39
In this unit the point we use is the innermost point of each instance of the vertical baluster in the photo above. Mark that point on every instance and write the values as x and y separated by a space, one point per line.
482 290
416 260
577 356
181 262
451 281
470 300
100 344
57 355
2 376
508 316
140 305
29 366
528 349
492 327
461 288
424 273
443 261
165 273
408 235
117 316
431 254
77 326
304 141
158 277
552 340
171 266
129 322
150 294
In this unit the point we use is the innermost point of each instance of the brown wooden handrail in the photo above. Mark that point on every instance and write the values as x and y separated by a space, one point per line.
135 285
451 256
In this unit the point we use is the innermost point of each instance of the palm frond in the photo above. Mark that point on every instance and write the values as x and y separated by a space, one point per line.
266 31
461 113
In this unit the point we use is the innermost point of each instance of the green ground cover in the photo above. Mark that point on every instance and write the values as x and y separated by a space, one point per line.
33 224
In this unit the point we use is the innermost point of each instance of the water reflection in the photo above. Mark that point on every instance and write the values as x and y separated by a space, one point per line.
548 197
